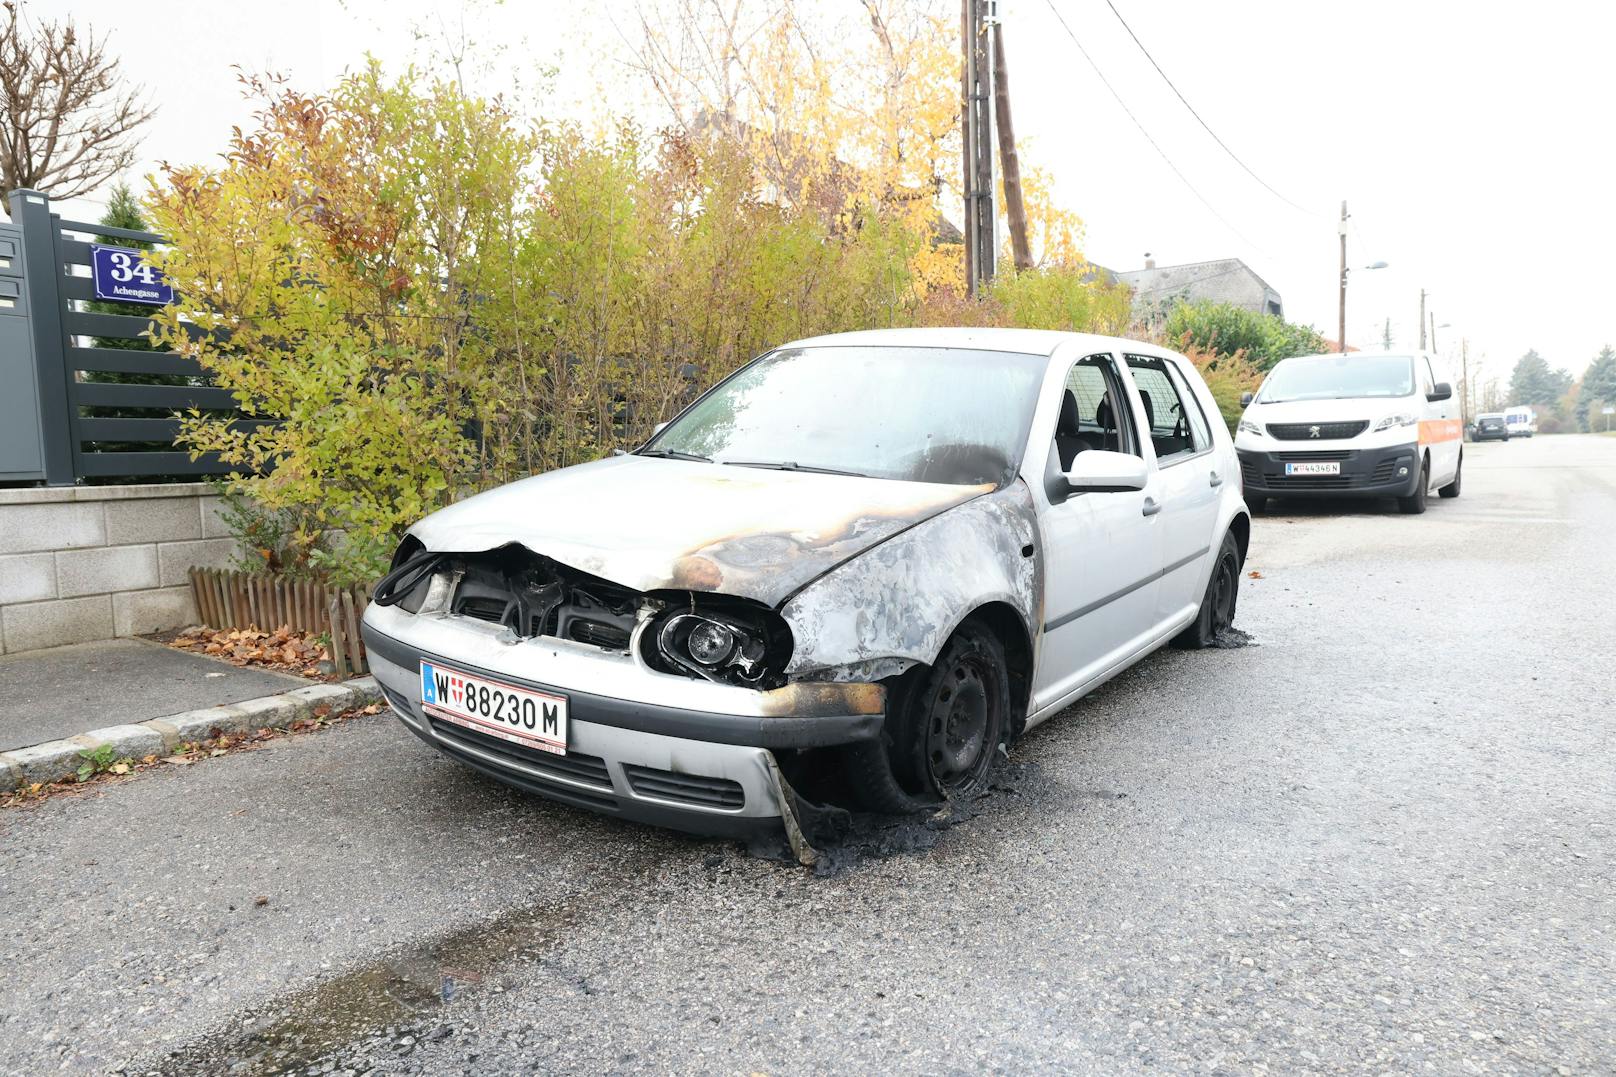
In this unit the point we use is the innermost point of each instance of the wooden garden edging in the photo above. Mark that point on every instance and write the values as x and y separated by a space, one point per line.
261 600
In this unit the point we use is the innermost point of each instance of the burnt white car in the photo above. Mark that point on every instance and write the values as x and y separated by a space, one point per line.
851 572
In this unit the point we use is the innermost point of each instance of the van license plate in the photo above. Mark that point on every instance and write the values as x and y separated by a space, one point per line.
519 715
1314 467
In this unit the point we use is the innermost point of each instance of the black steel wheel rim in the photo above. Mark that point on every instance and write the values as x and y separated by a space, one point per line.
958 724
1223 591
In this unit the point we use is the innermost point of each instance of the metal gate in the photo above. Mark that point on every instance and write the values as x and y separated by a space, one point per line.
98 413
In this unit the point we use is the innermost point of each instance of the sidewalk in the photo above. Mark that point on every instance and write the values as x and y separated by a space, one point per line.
63 691
140 698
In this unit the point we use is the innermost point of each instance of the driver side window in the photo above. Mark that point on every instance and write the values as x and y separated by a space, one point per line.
1094 411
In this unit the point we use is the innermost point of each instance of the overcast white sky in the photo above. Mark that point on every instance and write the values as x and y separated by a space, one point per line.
1472 140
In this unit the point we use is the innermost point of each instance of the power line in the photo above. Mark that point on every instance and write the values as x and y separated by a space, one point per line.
1206 126
1153 144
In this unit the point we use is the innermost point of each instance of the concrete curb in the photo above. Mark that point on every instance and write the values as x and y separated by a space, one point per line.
58 759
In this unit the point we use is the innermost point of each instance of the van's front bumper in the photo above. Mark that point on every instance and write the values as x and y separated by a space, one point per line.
642 745
1386 471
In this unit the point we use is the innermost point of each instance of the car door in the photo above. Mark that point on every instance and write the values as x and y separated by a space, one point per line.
1102 550
1190 483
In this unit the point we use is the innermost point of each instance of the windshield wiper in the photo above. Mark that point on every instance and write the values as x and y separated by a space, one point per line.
792 465
675 454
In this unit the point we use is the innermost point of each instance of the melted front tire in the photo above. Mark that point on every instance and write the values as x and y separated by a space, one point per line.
944 729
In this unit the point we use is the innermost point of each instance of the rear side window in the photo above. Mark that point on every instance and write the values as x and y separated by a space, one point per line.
1200 433
1177 427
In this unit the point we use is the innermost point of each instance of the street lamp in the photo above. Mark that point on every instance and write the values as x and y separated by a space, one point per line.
1341 335
1371 265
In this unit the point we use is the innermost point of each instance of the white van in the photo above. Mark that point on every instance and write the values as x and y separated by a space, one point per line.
1521 421
1363 424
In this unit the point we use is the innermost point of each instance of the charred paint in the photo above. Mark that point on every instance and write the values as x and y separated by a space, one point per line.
898 603
813 699
665 524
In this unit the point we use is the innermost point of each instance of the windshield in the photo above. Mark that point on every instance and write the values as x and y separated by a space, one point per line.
924 414
1338 377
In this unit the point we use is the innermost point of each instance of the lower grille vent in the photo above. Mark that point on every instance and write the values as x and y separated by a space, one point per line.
685 788
590 769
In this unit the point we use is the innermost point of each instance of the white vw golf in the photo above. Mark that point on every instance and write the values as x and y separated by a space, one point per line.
847 574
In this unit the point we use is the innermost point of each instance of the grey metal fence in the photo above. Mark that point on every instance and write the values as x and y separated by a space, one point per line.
103 406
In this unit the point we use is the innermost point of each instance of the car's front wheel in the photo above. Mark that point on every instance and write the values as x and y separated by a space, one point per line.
1219 601
945 723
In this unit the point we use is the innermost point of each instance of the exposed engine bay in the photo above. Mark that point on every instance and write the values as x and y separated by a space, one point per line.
719 638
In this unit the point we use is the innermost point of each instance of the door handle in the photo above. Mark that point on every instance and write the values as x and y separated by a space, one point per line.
1151 507
1217 480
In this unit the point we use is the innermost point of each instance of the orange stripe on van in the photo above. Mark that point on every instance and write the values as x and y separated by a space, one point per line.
1434 430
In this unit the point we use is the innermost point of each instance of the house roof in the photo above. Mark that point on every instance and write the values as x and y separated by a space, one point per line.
1166 278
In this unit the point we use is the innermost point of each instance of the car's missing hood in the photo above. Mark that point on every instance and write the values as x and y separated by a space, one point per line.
652 524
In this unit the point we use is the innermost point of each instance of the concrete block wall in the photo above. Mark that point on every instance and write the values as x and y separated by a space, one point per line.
93 562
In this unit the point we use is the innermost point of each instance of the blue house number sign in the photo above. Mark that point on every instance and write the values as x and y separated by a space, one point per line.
123 273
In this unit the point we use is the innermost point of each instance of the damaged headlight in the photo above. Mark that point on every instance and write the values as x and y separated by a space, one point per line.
742 648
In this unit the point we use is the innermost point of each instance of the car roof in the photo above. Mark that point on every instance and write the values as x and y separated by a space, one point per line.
1025 341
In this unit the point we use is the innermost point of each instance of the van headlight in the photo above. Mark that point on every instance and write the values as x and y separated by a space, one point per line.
1246 426
1391 421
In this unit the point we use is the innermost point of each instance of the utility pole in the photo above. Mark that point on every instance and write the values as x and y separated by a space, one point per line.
1009 163
1464 382
1422 319
1433 330
967 152
1341 335
977 17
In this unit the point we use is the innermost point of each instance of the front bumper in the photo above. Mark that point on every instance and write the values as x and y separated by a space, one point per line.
1388 471
642 745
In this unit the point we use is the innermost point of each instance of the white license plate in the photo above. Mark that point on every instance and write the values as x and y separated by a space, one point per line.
519 715
1314 467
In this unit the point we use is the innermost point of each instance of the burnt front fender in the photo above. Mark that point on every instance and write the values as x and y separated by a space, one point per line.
895 605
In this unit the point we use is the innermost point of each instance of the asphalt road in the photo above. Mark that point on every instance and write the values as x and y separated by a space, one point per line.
1380 838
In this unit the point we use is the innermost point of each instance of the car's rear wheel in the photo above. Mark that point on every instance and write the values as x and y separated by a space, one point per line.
944 726
1452 488
1414 504
1219 601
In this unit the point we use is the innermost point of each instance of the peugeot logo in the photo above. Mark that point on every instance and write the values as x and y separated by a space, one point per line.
1312 431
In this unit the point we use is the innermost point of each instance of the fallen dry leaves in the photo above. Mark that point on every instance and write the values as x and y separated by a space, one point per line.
283 649
187 754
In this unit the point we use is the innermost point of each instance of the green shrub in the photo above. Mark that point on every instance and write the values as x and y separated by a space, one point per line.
1225 329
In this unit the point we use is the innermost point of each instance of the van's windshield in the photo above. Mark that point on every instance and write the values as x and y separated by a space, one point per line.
1338 377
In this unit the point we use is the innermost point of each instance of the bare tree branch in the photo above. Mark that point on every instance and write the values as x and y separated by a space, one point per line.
67 122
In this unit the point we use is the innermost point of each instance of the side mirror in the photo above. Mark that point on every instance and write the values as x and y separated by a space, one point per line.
658 428
1246 399
1103 471
1440 391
